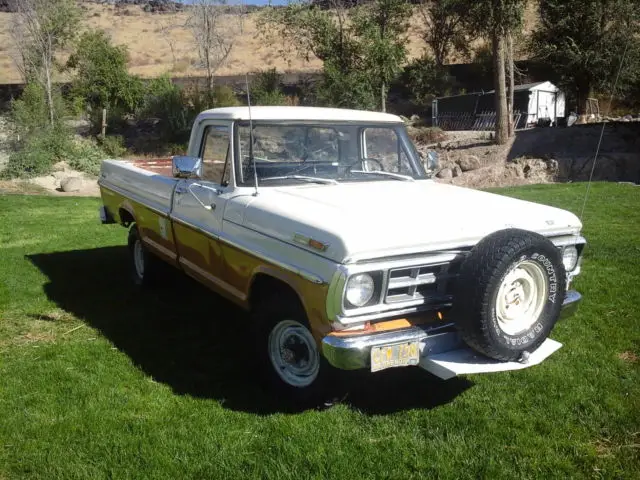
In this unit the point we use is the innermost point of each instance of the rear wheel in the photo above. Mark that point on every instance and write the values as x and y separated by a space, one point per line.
144 265
509 294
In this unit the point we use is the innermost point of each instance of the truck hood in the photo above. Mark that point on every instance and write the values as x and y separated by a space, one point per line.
358 221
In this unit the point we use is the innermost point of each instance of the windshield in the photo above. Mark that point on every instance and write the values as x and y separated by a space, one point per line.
325 153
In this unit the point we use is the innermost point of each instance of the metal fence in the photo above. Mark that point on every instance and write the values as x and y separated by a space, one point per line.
470 121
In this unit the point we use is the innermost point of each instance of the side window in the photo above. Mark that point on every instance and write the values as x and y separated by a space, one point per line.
383 145
215 155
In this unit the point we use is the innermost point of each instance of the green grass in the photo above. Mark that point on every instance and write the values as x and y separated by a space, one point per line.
98 381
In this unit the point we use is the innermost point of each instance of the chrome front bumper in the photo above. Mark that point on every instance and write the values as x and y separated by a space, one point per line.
354 352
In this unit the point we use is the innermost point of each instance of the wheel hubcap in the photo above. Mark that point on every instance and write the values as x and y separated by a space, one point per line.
521 297
293 353
138 258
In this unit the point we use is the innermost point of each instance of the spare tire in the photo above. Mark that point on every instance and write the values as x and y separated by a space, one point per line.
509 293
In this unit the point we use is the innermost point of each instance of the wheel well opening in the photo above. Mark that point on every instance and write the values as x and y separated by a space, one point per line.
126 218
265 286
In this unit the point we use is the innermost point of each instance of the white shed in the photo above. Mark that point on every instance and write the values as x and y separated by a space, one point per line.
544 102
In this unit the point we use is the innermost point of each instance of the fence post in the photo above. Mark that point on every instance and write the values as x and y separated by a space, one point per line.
104 123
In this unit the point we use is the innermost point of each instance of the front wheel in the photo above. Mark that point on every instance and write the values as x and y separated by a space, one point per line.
292 365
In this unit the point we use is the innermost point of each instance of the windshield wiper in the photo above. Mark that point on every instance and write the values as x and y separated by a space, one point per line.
398 176
324 181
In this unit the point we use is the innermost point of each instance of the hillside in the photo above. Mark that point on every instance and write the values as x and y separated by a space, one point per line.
151 38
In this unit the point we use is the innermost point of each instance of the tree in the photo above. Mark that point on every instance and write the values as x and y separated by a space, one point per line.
583 42
215 27
41 30
444 27
102 78
361 48
496 20
381 27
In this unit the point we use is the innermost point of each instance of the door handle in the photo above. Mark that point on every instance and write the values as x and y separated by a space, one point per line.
181 190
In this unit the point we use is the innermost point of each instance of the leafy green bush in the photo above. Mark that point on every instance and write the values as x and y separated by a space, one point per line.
172 107
223 96
30 112
112 145
176 108
423 80
85 155
266 88
351 89
102 78
38 152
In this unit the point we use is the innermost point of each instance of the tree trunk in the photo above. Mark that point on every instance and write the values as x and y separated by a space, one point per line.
583 92
383 96
511 83
502 134
48 88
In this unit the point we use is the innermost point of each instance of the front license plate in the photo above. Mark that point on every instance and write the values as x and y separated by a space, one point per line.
398 355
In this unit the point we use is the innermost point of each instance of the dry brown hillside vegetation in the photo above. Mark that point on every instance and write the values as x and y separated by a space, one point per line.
162 43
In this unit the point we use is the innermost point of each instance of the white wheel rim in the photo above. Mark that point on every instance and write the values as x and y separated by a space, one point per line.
521 297
294 354
138 258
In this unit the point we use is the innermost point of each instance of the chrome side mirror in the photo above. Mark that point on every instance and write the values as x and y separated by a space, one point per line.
186 167
431 161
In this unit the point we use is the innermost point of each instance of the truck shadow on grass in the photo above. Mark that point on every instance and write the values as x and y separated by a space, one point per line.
199 344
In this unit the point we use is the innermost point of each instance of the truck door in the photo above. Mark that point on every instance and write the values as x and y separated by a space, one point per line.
198 208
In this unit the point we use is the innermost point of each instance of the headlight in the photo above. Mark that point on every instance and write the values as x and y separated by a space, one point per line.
570 258
360 289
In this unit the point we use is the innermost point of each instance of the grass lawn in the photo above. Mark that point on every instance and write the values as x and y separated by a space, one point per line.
99 381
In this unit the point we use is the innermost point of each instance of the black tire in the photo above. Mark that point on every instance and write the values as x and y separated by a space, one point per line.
270 315
151 265
483 319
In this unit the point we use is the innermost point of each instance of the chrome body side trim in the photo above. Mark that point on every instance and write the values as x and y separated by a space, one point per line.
354 351
215 280
156 246
222 237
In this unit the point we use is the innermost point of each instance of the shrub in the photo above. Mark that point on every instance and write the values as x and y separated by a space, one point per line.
427 135
266 88
351 89
422 81
85 155
102 77
112 145
39 151
30 112
176 108
223 96
171 106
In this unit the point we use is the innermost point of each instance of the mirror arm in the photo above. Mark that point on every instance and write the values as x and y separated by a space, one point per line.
215 190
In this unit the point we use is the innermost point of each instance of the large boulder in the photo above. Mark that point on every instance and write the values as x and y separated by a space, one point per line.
445 173
469 162
71 184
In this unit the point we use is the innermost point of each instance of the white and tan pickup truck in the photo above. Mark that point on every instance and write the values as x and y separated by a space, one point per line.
326 226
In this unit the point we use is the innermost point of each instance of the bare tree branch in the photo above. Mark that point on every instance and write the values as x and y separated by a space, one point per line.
215 27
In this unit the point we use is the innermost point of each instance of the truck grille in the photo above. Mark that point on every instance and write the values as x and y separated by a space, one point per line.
430 283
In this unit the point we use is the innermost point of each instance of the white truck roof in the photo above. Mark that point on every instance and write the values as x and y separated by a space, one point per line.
296 113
